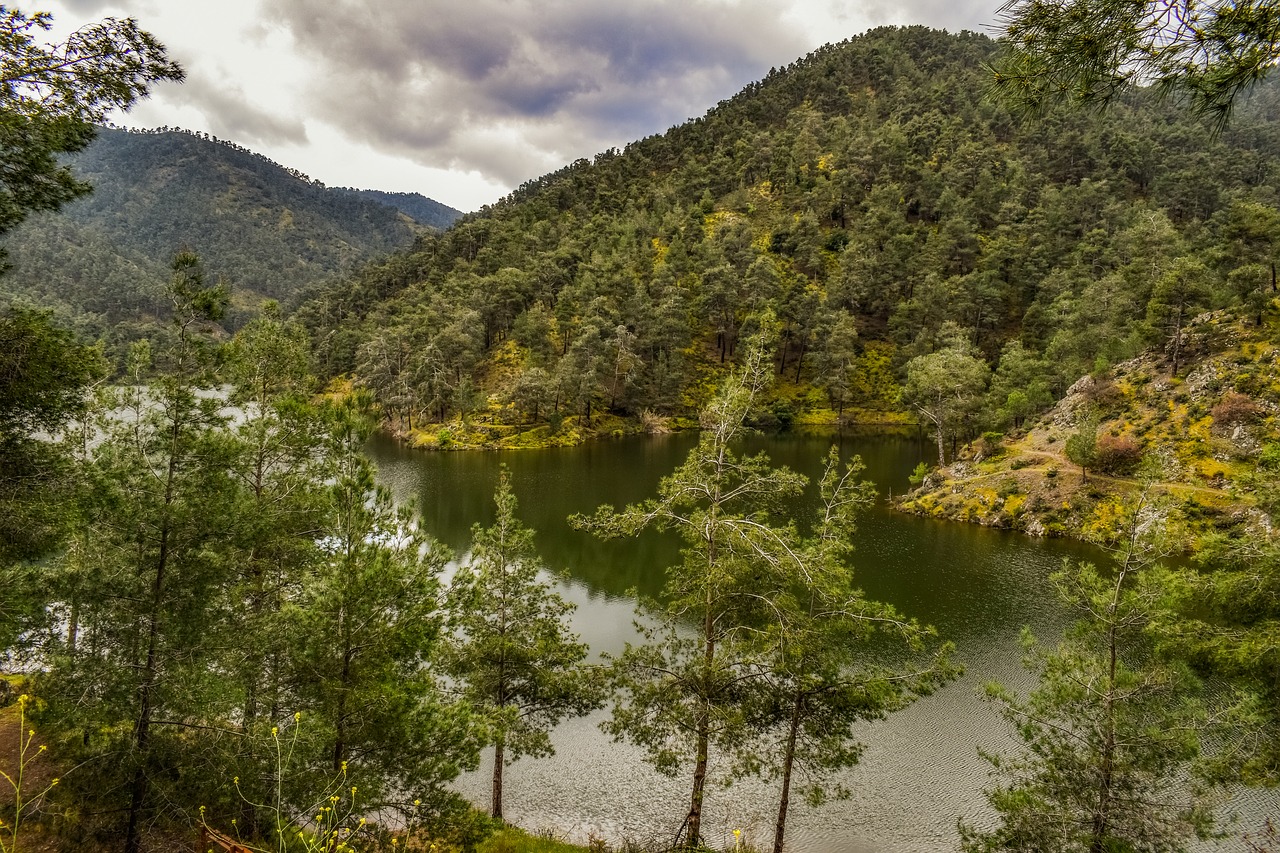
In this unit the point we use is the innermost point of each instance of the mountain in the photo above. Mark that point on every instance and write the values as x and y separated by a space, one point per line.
876 202
102 261
421 209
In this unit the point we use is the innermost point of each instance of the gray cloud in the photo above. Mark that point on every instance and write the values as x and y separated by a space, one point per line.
232 116
87 7
512 88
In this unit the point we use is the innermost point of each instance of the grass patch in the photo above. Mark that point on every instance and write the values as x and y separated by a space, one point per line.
513 840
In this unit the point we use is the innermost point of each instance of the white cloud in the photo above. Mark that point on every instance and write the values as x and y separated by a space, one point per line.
462 101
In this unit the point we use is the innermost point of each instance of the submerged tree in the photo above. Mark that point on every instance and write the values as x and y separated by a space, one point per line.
686 692
826 673
1112 729
514 657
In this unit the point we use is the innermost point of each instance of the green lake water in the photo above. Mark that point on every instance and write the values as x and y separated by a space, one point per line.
921 769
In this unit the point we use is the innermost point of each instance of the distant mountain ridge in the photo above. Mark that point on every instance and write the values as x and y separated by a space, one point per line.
423 210
268 230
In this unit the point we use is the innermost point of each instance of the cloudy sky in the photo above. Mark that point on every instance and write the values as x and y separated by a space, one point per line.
462 100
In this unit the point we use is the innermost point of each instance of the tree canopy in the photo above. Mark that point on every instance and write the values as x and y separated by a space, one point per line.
51 96
1089 51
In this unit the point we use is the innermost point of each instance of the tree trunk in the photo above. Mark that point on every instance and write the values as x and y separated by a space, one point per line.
694 821
788 761
1177 339
146 688
499 749
1106 772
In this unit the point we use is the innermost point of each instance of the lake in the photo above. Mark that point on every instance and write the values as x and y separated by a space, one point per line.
921 769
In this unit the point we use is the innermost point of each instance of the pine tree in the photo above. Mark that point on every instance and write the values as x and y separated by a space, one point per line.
155 571
514 657
364 629
823 676
685 692
1112 728
280 473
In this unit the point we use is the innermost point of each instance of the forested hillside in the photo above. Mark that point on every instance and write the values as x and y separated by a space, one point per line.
269 231
418 207
877 203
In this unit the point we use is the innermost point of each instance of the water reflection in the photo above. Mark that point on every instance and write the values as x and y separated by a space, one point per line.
921 769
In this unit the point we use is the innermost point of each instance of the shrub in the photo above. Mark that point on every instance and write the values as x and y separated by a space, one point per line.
1117 454
1269 457
990 444
1235 408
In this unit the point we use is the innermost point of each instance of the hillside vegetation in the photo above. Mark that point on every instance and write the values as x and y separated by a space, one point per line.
103 261
1206 436
875 202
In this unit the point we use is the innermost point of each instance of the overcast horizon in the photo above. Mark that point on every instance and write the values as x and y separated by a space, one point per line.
462 102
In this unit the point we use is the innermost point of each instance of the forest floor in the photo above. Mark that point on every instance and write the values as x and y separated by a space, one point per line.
37 775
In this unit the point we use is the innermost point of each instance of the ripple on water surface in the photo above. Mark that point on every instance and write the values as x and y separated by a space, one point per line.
921 769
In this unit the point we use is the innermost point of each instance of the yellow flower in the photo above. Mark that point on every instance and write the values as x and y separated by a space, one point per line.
275 730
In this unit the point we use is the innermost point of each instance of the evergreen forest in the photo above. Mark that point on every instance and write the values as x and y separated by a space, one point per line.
219 630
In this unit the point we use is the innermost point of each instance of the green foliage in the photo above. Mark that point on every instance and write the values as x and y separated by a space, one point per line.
1090 51
513 656
1112 728
827 669
44 375
875 202
681 690
102 261
513 840
141 594
1226 624
1081 446
364 625
946 388
52 95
